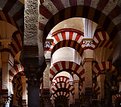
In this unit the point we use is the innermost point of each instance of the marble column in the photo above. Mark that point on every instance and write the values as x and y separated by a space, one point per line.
88 58
89 30
76 89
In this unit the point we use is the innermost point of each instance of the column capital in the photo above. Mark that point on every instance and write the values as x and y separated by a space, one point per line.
87 42
5 42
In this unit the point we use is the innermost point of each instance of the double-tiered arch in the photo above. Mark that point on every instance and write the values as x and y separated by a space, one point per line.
105 13
66 66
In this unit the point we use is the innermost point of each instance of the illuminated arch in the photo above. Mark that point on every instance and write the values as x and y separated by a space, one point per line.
67 38
94 10
14 70
66 65
61 87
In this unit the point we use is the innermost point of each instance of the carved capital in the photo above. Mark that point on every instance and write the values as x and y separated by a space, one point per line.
87 43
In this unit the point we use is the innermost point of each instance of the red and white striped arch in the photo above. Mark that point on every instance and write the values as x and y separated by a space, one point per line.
99 68
105 13
14 70
61 93
16 44
67 38
68 66
61 79
62 85
67 43
61 39
61 89
67 34
102 39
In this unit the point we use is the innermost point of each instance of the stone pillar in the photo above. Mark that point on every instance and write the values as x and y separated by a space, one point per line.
76 93
33 90
5 73
33 61
71 100
24 88
76 89
5 70
88 58
89 30
30 22
101 82
33 68
108 89
46 79
88 81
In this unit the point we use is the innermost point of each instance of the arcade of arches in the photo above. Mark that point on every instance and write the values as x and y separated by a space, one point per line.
60 53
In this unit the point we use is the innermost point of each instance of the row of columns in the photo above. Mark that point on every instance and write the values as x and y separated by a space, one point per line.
6 63
31 69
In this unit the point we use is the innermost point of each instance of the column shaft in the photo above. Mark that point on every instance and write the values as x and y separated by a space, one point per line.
5 73
33 96
101 80
88 73
76 89
24 88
